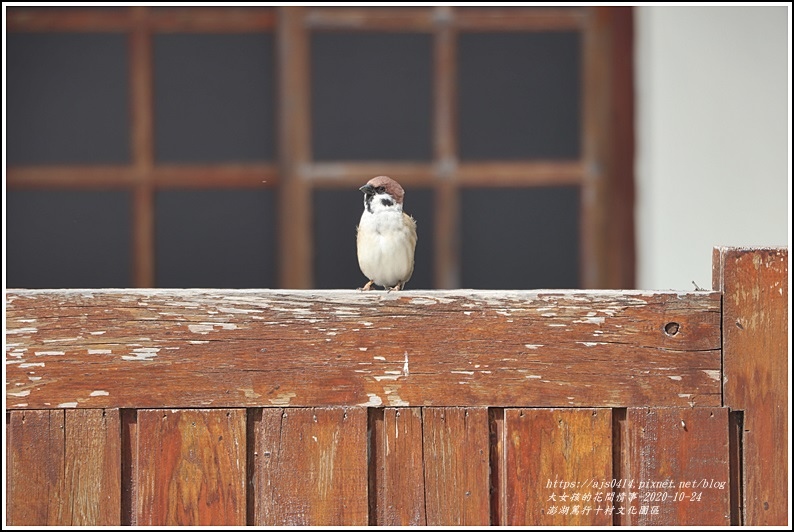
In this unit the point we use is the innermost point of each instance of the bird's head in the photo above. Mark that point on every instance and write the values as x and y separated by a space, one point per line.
382 193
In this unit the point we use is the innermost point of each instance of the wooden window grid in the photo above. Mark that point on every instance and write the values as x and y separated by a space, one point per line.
604 171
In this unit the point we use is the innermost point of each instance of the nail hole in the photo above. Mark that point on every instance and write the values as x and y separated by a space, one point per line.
671 329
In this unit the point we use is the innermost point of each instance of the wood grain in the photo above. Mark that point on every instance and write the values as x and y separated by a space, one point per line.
397 483
755 351
63 468
456 466
191 467
678 462
35 474
550 455
308 467
92 478
246 348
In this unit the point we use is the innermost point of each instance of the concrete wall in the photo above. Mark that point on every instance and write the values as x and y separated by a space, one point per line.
713 111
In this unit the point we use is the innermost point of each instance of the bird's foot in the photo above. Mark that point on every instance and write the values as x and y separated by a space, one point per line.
366 287
396 288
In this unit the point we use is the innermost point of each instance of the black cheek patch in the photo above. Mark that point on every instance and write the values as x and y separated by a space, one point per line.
386 202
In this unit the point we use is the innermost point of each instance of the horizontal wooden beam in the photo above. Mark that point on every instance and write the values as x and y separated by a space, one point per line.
248 348
161 19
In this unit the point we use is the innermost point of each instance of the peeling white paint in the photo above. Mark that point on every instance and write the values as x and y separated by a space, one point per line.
97 333
405 364
462 372
282 399
197 342
60 340
23 393
32 365
712 373
374 400
363 348
68 405
674 377
386 377
97 393
49 353
535 377
590 344
142 353
533 346
34 378
100 352
249 393
557 325
22 330
379 358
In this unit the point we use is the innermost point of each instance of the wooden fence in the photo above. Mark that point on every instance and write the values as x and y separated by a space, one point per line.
260 407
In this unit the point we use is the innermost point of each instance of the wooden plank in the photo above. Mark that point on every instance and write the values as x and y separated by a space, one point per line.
248 348
92 478
552 459
211 19
520 19
64 468
456 466
521 173
400 19
397 483
191 467
89 19
755 350
70 176
676 468
294 149
35 475
309 467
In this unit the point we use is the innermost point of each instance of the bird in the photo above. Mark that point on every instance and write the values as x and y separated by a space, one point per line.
385 236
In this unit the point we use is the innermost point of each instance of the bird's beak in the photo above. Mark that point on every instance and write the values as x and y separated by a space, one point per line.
368 190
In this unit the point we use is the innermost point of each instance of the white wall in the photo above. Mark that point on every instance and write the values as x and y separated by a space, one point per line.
712 168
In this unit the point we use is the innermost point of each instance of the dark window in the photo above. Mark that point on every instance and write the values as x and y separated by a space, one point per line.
67 99
520 238
214 98
68 239
215 239
519 95
371 96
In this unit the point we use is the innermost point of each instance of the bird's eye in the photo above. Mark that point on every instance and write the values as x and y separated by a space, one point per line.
380 189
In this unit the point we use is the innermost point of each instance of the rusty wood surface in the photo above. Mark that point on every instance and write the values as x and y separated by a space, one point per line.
678 461
755 350
246 348
308 466
191 467
63 468
456 466
549 455
396 481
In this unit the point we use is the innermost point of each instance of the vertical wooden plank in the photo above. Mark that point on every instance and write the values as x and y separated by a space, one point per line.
309 467
754 283
142 148
92 479
295 212
498 482
35 476
191 467
456 466
447 194
397 476
555 461
677 465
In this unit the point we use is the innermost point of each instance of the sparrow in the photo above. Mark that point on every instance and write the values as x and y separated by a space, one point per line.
385 236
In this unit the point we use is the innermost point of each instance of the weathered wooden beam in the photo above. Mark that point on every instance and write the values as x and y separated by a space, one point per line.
248 348
755 318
